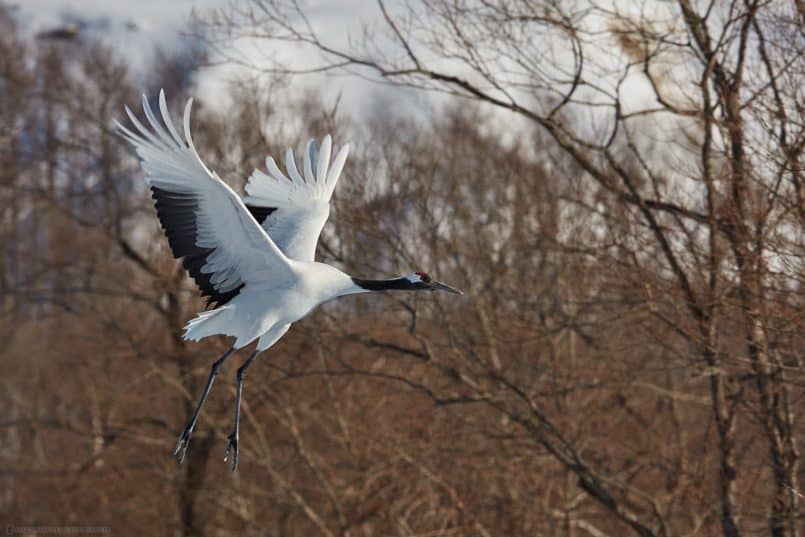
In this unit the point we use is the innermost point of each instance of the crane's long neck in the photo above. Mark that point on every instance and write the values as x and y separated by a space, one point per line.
368 286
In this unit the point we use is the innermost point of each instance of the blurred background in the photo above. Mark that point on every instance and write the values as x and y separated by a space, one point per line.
617 187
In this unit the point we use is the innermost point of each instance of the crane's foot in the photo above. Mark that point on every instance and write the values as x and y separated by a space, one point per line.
232 449
183 444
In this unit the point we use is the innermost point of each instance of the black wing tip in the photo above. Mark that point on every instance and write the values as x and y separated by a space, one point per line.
260 213
177 215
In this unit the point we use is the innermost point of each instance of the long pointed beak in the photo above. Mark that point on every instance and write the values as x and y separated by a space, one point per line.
438 286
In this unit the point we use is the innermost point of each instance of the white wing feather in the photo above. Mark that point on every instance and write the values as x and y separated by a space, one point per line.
242 252
302 202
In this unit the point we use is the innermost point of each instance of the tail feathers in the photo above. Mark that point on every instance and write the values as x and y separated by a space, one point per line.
208 323
227 322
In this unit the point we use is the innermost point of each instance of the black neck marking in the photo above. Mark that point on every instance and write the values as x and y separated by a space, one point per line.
395 284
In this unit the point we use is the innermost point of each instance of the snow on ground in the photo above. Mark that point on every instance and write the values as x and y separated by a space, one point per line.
137 29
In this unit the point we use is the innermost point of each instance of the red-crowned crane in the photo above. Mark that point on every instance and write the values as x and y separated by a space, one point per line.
253 257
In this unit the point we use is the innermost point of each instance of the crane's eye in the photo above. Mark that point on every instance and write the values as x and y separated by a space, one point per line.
424 277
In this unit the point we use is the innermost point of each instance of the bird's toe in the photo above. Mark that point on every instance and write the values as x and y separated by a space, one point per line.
232 450
182 445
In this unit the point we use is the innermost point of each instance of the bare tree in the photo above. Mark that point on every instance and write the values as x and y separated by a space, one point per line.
697 187
617 192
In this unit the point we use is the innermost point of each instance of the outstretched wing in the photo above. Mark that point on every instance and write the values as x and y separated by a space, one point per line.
294 208
206 222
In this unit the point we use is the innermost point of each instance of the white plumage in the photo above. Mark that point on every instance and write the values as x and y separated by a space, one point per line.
261 276
303 204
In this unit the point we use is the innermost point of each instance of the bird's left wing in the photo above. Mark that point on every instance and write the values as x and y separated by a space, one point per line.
294 208
206 222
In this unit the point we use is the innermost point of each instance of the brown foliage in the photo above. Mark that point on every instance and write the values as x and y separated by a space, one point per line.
627 357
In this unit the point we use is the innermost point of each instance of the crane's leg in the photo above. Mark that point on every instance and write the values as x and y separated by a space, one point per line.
232 445
184 438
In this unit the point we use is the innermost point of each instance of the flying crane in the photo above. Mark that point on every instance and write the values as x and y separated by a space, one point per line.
253 258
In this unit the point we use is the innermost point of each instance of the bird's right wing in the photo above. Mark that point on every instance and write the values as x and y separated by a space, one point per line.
205 221
293 209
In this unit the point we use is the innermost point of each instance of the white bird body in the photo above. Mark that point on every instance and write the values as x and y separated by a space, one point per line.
254 315
253 257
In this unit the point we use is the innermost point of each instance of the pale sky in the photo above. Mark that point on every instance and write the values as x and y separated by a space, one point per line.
137 28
